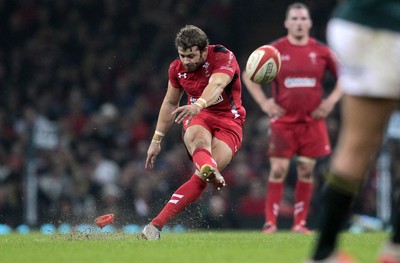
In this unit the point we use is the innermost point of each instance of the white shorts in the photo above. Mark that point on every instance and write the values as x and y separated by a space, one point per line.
370 59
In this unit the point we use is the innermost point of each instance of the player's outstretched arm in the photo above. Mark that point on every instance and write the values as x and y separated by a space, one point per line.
164 122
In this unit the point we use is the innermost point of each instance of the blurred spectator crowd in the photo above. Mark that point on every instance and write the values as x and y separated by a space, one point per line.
81 84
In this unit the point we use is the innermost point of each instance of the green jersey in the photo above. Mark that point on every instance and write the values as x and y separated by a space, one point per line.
383 14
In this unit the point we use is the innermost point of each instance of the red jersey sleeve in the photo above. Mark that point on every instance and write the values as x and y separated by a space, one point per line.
332 63
173 73
225 61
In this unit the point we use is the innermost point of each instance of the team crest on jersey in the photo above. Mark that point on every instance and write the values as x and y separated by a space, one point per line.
313 57
205 66
182 75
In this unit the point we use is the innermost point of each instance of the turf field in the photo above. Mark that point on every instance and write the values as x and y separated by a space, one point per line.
189 247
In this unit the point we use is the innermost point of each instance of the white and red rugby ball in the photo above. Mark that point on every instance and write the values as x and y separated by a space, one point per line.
263 64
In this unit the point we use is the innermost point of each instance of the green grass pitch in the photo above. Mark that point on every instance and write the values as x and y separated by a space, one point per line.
188 247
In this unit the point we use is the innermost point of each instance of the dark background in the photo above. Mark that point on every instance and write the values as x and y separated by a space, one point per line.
95 72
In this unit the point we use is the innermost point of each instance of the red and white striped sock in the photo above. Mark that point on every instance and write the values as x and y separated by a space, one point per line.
272 201
185 195
302 199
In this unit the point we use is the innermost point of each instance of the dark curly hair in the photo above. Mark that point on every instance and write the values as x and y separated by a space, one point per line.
190 36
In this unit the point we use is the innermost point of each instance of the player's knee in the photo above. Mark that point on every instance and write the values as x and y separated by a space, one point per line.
308 176
305 168
197 143
200 143
277 173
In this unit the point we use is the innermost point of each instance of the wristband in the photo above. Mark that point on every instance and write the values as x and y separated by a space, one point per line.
157 137
159 133
200 105
204 101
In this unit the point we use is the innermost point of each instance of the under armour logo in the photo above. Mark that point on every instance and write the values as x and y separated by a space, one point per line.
187 122
182 75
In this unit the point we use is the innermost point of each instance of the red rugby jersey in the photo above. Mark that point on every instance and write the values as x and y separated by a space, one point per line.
219 59
298 85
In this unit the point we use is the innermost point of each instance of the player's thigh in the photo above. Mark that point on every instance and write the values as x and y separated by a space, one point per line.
197 136
363 125
221 153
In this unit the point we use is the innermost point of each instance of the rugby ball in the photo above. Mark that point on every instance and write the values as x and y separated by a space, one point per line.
263 64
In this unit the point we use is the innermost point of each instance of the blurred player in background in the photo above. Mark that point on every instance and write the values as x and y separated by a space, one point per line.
212 119
297 113
366 36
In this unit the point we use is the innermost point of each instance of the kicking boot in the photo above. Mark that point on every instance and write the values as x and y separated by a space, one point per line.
211 175
301 229
151 232
269 228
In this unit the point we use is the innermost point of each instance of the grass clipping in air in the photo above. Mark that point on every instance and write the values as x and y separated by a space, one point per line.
189 247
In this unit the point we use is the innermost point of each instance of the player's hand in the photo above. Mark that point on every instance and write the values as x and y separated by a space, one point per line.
186 111
323 110
271 108
152 153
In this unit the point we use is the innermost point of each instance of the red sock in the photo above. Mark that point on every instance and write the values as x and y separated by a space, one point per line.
272 201
201 156
302 199
182 197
